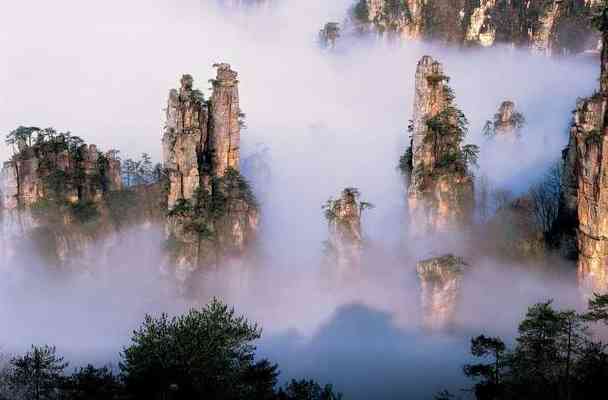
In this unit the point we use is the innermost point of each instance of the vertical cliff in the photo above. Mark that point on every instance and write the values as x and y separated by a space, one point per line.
584 202
344 222
212 212
551 27
440 281
440 191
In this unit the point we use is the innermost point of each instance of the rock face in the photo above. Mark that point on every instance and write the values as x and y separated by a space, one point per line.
506 124
57 168
550 27
440 280
441 192
344 221
584 202
513 232
329 35
212 212
53 192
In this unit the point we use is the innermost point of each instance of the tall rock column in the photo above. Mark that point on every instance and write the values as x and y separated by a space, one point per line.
584 202
212 211
440 281
440 192
344 221
184 140
225 135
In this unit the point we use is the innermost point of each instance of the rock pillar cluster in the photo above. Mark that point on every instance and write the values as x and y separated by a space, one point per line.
52 192
212 211
546 27
51 168
440 280
441 192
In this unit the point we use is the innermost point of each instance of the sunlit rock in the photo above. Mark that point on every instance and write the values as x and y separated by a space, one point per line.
440 281
584 203
440 192
343 215
212 213
545 27
52 195
506 124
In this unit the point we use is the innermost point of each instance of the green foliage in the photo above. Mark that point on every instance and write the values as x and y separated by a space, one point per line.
406 162
38 373
22 136
600 18
435 79
198 96
122 205
349 194
90 383
308 390
361 11
594 137
140 172
553 358
470 155
84 211
206 352
491 128
598 308
182 208
444 395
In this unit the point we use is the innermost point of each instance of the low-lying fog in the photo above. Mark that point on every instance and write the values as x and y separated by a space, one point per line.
329 120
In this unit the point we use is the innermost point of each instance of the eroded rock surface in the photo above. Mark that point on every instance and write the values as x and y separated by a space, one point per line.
440 192
506 124
344 221
583 216
547 27
212 211
54 193
440 281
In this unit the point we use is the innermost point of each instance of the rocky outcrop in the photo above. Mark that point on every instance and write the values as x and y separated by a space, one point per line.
440 281
53 192
584 201
344 221
329 35
506 124
440 192
551 27
212 211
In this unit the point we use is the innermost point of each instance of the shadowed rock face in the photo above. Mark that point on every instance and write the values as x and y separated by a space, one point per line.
584 202
210 214
547 27
440 193
345 237
440 281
